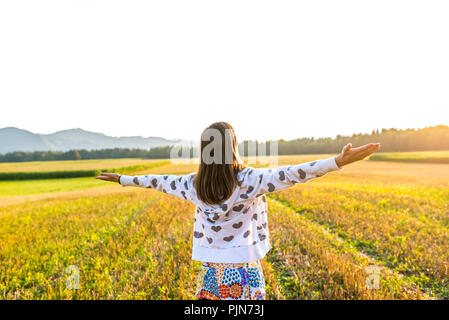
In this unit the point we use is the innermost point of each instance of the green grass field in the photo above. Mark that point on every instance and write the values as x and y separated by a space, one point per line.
132 243
417 157
65 170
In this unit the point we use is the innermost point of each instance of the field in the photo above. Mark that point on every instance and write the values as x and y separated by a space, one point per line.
43 166
419 157
330 236
73 169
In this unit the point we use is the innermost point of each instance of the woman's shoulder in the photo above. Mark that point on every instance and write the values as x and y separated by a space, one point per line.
244 171
245 174
249 171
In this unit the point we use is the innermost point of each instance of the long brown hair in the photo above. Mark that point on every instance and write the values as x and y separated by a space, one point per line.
215 181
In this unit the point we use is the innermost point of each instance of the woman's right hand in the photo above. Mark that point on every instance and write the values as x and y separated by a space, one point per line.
349 155
112 177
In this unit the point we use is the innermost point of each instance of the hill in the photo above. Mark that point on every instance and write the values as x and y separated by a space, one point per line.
15 139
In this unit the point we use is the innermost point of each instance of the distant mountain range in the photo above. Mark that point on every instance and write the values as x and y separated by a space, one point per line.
15 139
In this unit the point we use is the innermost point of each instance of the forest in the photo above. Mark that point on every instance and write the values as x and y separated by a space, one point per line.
392 140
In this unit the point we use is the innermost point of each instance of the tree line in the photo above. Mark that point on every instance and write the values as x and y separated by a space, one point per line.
392 140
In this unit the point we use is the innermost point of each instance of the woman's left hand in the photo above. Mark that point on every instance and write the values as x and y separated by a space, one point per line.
349 155
112 177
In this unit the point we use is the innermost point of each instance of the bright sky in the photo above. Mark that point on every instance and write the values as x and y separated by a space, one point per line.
273 69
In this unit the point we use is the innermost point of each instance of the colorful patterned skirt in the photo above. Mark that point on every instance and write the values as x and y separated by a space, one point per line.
231 281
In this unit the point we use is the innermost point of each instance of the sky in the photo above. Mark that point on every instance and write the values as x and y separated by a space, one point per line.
272 69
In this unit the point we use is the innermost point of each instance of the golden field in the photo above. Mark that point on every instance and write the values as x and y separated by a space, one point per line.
132 243
69 165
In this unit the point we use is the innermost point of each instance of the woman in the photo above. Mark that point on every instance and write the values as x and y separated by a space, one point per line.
230 232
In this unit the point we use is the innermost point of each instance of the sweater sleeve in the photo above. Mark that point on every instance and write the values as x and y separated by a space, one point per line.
178 186
262 181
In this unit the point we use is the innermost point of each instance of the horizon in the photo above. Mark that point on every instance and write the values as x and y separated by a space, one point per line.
240 140
275 72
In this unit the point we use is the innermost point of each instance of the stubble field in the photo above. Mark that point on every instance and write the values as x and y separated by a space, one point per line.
332 237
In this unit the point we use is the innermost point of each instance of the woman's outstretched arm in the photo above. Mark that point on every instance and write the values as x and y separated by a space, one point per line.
261 181
179 186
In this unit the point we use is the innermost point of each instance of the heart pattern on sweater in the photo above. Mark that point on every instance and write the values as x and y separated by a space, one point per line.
154 182
281 175
237 225
197 234
229 238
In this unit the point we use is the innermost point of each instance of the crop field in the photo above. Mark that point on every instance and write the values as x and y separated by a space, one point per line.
420 157
69 165
332 237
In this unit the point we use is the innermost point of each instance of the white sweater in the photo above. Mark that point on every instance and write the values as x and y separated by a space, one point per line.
235 231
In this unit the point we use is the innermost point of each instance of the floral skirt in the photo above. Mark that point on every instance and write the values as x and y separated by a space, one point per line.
231 281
